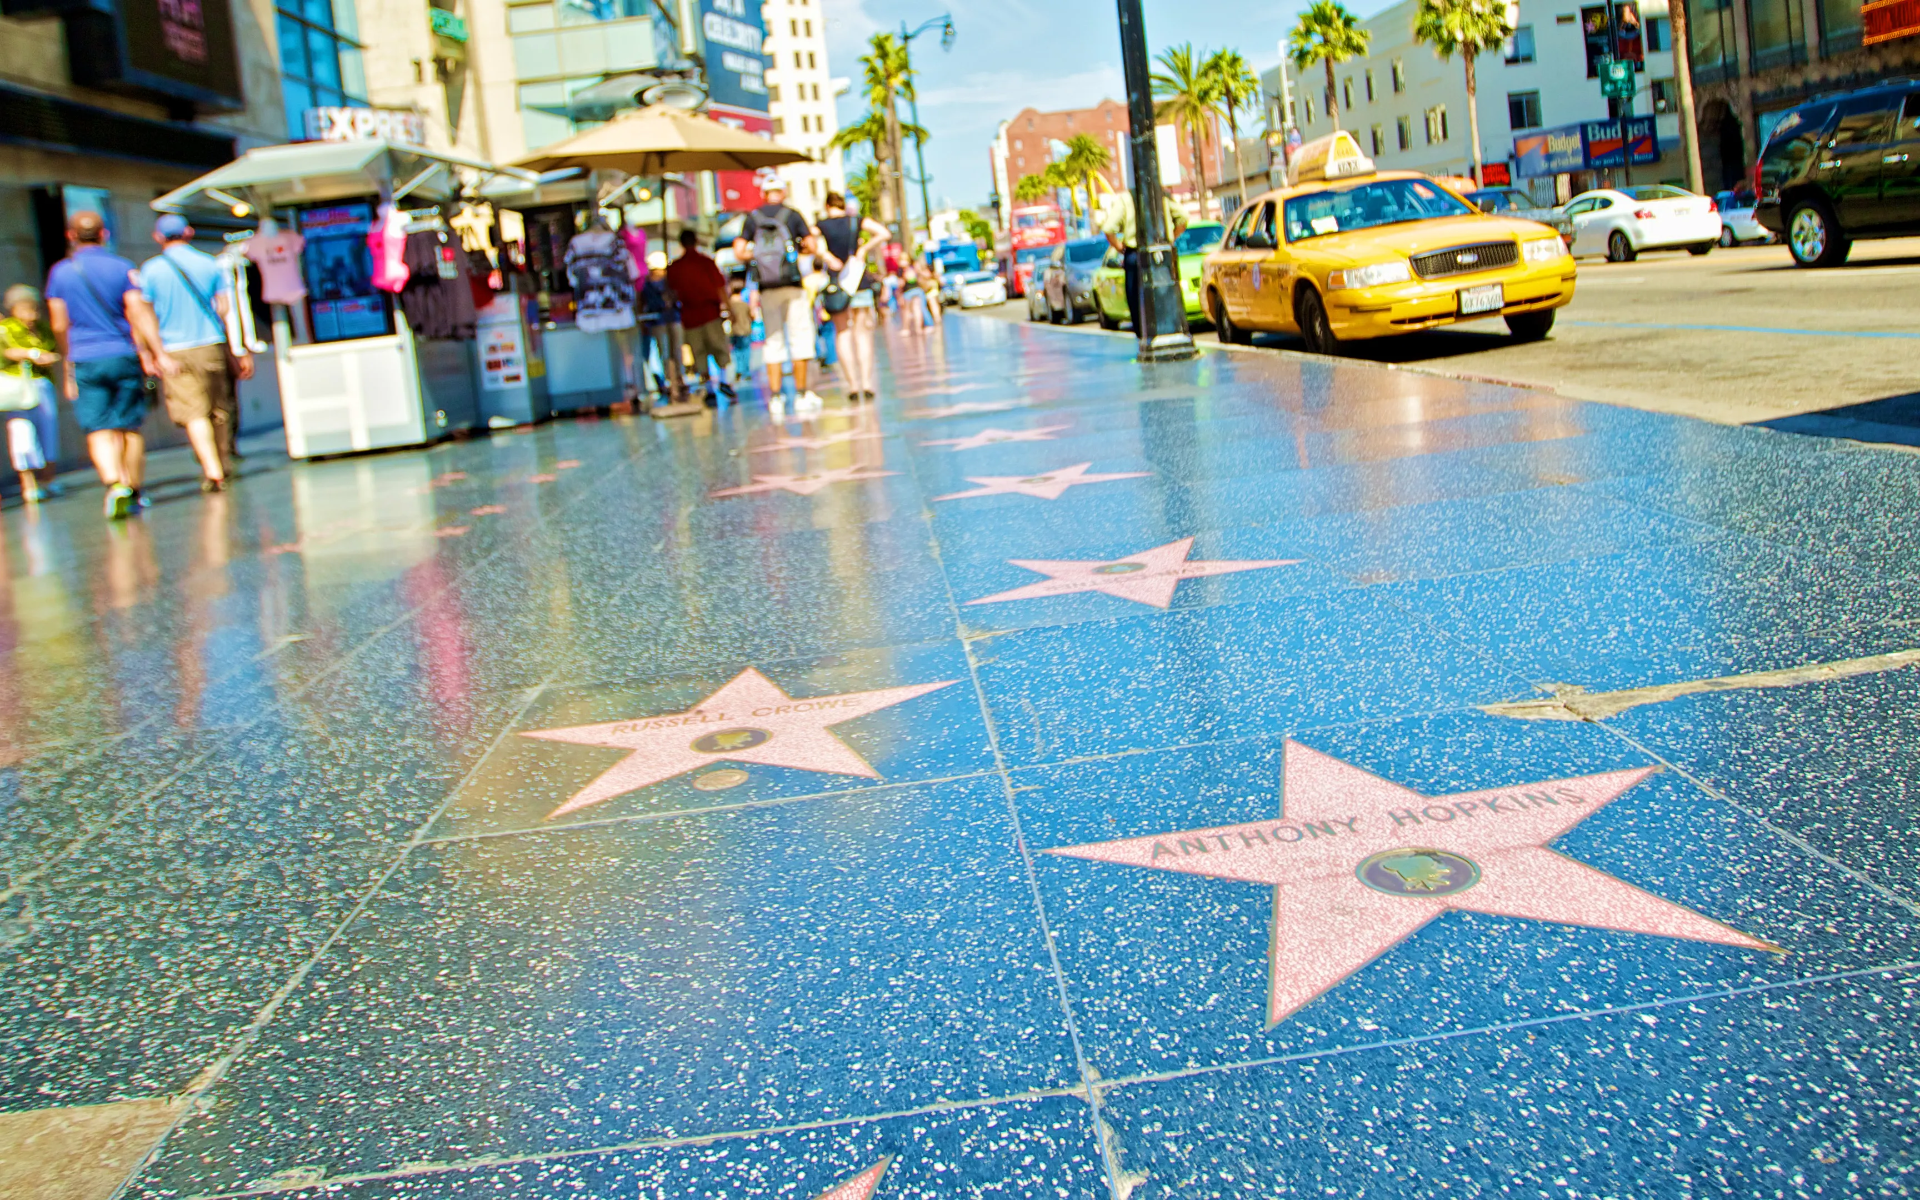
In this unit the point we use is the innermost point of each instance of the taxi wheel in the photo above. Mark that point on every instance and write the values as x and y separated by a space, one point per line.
1530 326
1224 327
1311 312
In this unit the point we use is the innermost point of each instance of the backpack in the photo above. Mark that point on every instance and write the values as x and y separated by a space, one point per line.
776 260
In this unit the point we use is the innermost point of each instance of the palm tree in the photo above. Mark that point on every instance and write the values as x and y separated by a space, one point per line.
868 185
870 132
888 78
1327 34
1185 94
1235 84
1029 188
1683 83
1468 28
1085 159
1056 175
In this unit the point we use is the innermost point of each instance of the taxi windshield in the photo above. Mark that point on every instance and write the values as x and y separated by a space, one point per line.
1365 205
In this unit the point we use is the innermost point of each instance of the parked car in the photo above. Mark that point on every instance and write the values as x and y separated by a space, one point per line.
1516 202
1346 251
1191 247
1737 222
1621 223
1842 168
1065 284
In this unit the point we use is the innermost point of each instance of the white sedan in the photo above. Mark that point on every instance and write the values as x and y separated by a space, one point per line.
1737 221
1622 222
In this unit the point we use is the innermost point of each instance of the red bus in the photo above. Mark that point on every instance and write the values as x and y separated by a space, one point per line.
1034 229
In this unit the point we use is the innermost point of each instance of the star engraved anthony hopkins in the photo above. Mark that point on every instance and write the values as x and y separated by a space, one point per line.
1358 863
749 720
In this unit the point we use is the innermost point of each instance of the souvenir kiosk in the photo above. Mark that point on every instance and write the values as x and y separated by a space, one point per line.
353 374
578 369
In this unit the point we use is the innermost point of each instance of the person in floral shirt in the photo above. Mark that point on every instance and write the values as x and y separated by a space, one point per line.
28 349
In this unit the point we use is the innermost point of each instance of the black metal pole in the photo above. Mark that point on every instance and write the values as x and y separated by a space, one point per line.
919 147
1163 314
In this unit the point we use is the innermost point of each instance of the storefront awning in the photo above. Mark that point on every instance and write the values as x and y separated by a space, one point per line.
318 172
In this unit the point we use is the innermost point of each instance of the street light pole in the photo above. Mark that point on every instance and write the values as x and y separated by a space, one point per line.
1162 313
945 24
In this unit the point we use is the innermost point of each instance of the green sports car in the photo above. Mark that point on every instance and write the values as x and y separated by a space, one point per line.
1193 245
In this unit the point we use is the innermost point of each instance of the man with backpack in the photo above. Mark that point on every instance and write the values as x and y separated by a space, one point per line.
772 243
190 295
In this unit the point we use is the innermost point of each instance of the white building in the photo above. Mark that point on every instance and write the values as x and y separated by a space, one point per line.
800 99
1408 108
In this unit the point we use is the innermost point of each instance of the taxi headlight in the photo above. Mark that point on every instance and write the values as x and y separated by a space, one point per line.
1542 250
1371 275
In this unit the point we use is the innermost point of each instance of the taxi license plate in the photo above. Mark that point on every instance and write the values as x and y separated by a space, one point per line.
1490 297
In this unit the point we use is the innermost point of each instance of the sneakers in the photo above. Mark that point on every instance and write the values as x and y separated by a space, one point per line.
34 495
120 501
808 401
209 486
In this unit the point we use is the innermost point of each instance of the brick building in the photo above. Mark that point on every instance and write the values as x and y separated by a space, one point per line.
1022 146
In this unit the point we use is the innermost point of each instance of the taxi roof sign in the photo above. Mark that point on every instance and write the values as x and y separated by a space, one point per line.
1335 156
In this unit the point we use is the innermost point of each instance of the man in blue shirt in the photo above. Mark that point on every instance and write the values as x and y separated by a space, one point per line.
107 339
190 295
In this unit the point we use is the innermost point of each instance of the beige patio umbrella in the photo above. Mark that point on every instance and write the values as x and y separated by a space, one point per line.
656 140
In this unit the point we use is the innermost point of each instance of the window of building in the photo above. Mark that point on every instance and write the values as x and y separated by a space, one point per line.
1309 104
1666 96
1777 29
319 59
1712 44
808 27
779 125
1523 110
1404 127
794 27
1839 25
1399 77
1436 124
1520 45
809 61
1659 33
591 12
773 93
1378 135
1346 92
1369 77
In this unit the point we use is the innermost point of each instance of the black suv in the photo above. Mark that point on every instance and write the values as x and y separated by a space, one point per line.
1840 168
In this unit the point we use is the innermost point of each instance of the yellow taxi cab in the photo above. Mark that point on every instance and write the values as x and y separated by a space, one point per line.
1346 252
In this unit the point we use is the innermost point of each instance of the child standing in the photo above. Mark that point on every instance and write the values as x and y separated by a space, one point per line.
32 420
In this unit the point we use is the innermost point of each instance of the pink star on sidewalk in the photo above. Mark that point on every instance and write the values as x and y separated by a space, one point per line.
861 1186
956 410
803 485
1047 486
749 720
818 443
1357 864
1148 577
993 437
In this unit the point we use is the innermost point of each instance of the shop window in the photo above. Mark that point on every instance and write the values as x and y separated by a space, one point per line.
1777 31
1520 45
1839 25
1399 77
1436 124
1403 126
1666 96
1523 110
320 64
530 18
1378 135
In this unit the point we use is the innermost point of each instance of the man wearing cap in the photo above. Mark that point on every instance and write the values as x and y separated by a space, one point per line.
771 243
107 340
190 296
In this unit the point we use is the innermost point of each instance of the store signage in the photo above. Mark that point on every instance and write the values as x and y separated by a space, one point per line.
1886 20
336 124
1588 146
451 26
180 49
736 64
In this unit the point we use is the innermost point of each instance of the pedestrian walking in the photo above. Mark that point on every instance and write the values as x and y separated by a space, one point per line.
190 296
702 288
848 239
771 243
108 342
660 322
26 394
740 327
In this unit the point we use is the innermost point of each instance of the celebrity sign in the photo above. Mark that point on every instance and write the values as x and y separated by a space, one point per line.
736 66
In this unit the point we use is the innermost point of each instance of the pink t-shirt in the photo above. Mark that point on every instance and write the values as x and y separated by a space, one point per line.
636 240
278 257
388 239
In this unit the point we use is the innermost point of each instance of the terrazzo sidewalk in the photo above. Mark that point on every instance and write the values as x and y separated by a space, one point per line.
1066 779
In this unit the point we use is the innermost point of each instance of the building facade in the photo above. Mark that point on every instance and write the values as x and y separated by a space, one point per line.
1408 107
1025 144
800 98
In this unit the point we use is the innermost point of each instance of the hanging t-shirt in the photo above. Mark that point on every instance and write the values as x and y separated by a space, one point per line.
278 257
388 240
602 274
437 299
636 239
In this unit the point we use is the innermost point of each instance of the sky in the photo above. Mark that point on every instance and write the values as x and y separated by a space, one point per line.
1048 54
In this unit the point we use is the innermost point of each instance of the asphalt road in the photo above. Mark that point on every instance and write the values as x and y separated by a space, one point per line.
1739 335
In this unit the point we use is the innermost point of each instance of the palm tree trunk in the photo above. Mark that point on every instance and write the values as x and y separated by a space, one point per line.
1198 145
896 173
1233 131
1333 98
1683 83
1473 115
883 199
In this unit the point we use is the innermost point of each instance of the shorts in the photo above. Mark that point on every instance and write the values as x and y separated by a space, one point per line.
204 383
709 341
112 394
788 317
